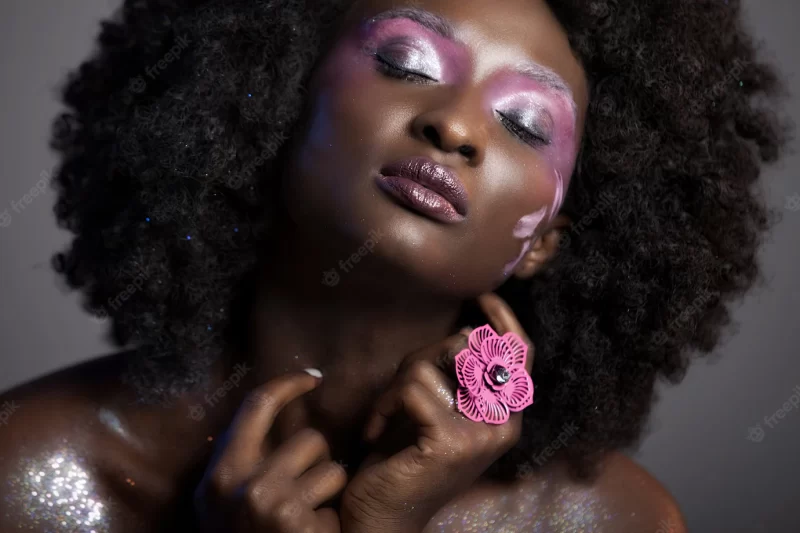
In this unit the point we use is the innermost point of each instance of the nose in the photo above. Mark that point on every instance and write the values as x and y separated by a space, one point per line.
455 126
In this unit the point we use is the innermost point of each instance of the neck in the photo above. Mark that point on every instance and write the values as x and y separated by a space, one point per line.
355 332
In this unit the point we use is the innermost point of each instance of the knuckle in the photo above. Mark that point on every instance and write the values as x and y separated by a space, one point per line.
413 390
261 399
483 439
258 499
256 494
315 438
463 446
421 371
288 512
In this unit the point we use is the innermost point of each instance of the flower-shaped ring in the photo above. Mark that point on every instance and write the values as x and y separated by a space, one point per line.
492 377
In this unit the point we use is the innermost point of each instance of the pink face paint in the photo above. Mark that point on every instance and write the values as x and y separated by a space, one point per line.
510 266
559 196
410 46
550 115
527 225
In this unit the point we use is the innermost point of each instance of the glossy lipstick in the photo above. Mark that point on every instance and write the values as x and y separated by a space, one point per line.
426 187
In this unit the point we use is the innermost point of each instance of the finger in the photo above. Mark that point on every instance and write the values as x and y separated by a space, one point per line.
303 450
412 398
442 354
327 521
503 320
322 483
257 413
435 380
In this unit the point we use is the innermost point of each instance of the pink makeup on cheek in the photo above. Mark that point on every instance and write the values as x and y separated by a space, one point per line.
511 265
558 198
526 227
411 46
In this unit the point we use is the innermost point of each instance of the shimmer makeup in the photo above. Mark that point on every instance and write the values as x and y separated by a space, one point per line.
528 100
538 107
410 41
58 490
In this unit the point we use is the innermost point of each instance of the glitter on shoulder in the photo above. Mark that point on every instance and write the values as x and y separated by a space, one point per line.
56 492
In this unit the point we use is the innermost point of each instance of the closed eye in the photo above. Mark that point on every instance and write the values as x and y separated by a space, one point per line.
521 133
388 68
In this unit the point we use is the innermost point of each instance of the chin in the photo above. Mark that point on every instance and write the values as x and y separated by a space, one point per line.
414 254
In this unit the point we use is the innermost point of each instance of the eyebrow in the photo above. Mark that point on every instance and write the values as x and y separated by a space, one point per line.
435 23
444 28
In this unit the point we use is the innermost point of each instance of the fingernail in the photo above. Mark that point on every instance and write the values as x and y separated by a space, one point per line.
313 372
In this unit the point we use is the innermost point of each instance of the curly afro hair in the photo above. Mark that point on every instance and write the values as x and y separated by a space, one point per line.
175 130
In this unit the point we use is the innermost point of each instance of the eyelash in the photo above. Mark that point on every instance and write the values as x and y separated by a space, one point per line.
522 133
388 69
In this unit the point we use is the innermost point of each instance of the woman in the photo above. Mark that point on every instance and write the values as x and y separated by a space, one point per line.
295 213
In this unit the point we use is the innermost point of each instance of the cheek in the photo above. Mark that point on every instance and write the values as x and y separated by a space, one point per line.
353 113
334 113
530 202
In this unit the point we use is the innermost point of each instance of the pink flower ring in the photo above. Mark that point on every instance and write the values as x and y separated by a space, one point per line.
492 377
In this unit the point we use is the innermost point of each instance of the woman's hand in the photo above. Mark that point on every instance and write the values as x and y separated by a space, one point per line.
402 492
250 488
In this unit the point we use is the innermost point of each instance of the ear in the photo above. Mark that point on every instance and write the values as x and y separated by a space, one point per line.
543 248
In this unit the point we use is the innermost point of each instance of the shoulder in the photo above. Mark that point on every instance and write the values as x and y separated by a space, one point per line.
64 455
623 498
639 501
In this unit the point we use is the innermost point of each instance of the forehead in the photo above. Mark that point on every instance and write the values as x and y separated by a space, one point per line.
500 34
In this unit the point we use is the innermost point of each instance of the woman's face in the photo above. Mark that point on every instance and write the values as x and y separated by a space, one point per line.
488 91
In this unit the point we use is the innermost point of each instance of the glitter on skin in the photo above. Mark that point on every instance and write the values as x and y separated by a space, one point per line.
539 506
447 395
57 492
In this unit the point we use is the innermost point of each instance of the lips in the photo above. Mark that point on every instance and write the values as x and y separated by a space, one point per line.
426 187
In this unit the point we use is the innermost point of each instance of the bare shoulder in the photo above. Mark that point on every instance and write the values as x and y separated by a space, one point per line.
636 499
623 498
64 454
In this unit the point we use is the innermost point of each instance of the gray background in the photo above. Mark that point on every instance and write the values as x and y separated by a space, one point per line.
698 445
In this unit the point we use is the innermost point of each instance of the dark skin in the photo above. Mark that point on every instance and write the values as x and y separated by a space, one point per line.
381 335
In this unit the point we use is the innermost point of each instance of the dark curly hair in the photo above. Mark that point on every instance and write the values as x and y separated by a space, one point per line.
176 129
